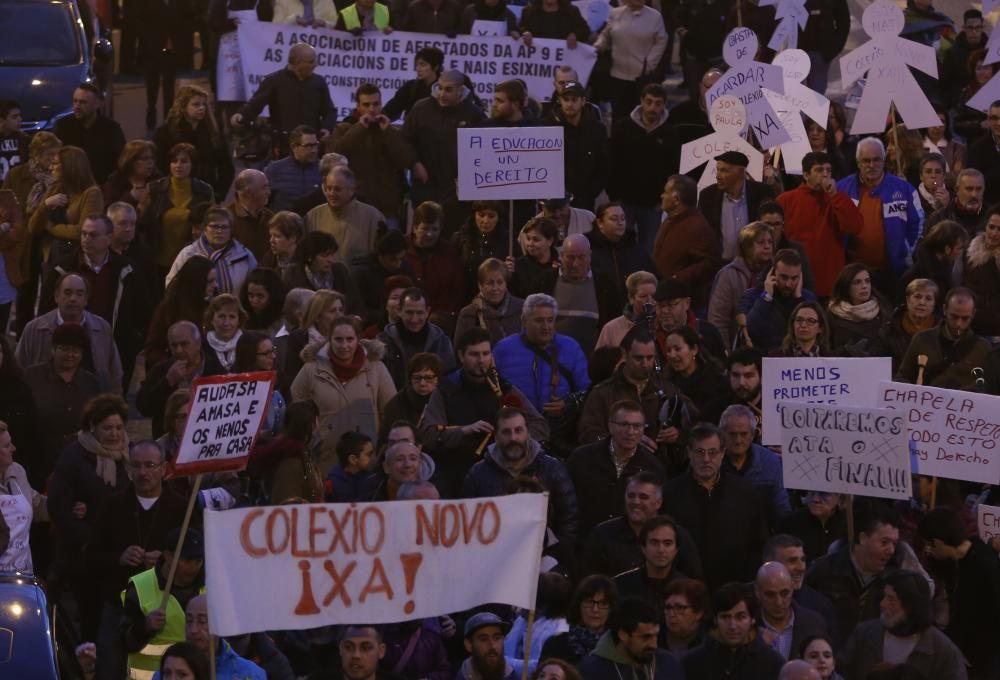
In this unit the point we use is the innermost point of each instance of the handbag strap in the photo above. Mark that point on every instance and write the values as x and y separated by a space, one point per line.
411 646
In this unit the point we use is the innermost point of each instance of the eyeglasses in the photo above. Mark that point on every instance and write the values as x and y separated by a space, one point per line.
677 608
635 427
802 321
597 604
268 352
139 465
423 377
218 226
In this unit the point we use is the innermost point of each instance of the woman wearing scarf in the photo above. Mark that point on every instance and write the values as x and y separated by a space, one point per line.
233 262
223 326
857 312
914 315
639 287
350 387
86 473
494 308
807 334
588 620
755 246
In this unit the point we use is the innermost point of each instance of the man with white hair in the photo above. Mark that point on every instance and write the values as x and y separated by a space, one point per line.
758 465
892 213
250 213
783 624
585 297
354 224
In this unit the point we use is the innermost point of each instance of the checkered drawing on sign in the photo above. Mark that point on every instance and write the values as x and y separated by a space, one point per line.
885 452
805 468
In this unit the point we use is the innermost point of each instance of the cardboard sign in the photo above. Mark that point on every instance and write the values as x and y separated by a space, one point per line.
792 17
797 99
744 79
885 59
500 164
840 449
304 566
728 117
988 522
821 380
345 60
225 414
955 434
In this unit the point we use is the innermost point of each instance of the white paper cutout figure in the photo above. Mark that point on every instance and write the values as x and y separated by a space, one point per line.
729 120
797 98
885 59
791 16
989 92
744 80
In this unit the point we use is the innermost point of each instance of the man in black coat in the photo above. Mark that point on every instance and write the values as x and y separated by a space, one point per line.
645 152
790 551
600 470
100 137
984 155
587 156
733 201
784 624
966 206
720 509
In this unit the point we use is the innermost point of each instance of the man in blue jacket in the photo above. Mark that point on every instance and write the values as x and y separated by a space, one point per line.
892 212
758 465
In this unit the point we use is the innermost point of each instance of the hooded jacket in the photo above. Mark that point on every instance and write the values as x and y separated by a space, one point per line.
607 663
398 352
982 275
587 157
489 477
642 159
715 661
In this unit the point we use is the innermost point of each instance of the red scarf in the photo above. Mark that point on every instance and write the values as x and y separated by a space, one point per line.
346 370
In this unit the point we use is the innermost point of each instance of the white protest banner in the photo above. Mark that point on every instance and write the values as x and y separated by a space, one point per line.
844 449
819 380
988 522
292 567
797 99
224 416
886 59
501 164
729 119
955 433
744 79
346 61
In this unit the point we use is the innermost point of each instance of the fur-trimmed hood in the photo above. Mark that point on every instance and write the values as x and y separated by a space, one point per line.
978 254
374 350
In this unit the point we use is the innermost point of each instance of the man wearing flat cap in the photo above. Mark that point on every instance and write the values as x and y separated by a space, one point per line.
484 641
733 202
686 247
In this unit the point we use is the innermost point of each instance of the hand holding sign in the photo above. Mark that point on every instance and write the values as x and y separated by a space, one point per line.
744 80
887 59
728 117
797 99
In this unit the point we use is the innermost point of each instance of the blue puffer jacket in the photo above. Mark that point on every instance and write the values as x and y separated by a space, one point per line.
902 215
531 373
290 180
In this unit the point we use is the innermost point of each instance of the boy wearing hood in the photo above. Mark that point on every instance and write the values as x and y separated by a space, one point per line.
627 651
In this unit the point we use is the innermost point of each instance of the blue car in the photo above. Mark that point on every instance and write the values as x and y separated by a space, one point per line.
27 637
45 53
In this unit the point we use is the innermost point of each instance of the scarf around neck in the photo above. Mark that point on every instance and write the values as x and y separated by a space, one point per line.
346 370
225 279
107 459
866 311
224 349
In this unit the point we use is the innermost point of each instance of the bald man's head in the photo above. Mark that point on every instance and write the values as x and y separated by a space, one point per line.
302 60
575 257
798 670
196 623
774 590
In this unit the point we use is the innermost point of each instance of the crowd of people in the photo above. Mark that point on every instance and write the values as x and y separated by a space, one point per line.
609 351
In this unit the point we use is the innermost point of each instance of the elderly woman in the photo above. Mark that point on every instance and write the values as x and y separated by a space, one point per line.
315 267
807 334
589 609
639 289
20 505
222 326
857 312
65 205
350 385
285 231
494 308
755 246
685 608
424 370
29 181
914 315
166 219
981 274
233 261
130 181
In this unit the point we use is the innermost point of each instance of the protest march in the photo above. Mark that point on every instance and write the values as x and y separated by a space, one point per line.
499 340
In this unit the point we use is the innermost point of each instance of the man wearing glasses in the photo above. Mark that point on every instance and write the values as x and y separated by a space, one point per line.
131 526
720 509
892 218
297 174
252 191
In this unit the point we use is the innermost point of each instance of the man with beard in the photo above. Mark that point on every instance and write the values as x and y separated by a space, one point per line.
628 649
460 412
516 453
768 305
966 207
732 650
745 367
903 633
484 634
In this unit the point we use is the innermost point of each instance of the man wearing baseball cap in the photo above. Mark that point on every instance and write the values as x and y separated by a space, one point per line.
587 151
484 636
733 202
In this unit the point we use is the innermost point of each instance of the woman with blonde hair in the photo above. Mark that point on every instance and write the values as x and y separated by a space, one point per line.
639 289
755 245
190 120
65 205
324 307
223 326
136 169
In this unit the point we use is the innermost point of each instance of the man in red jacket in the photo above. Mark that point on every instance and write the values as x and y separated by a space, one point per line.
820 218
